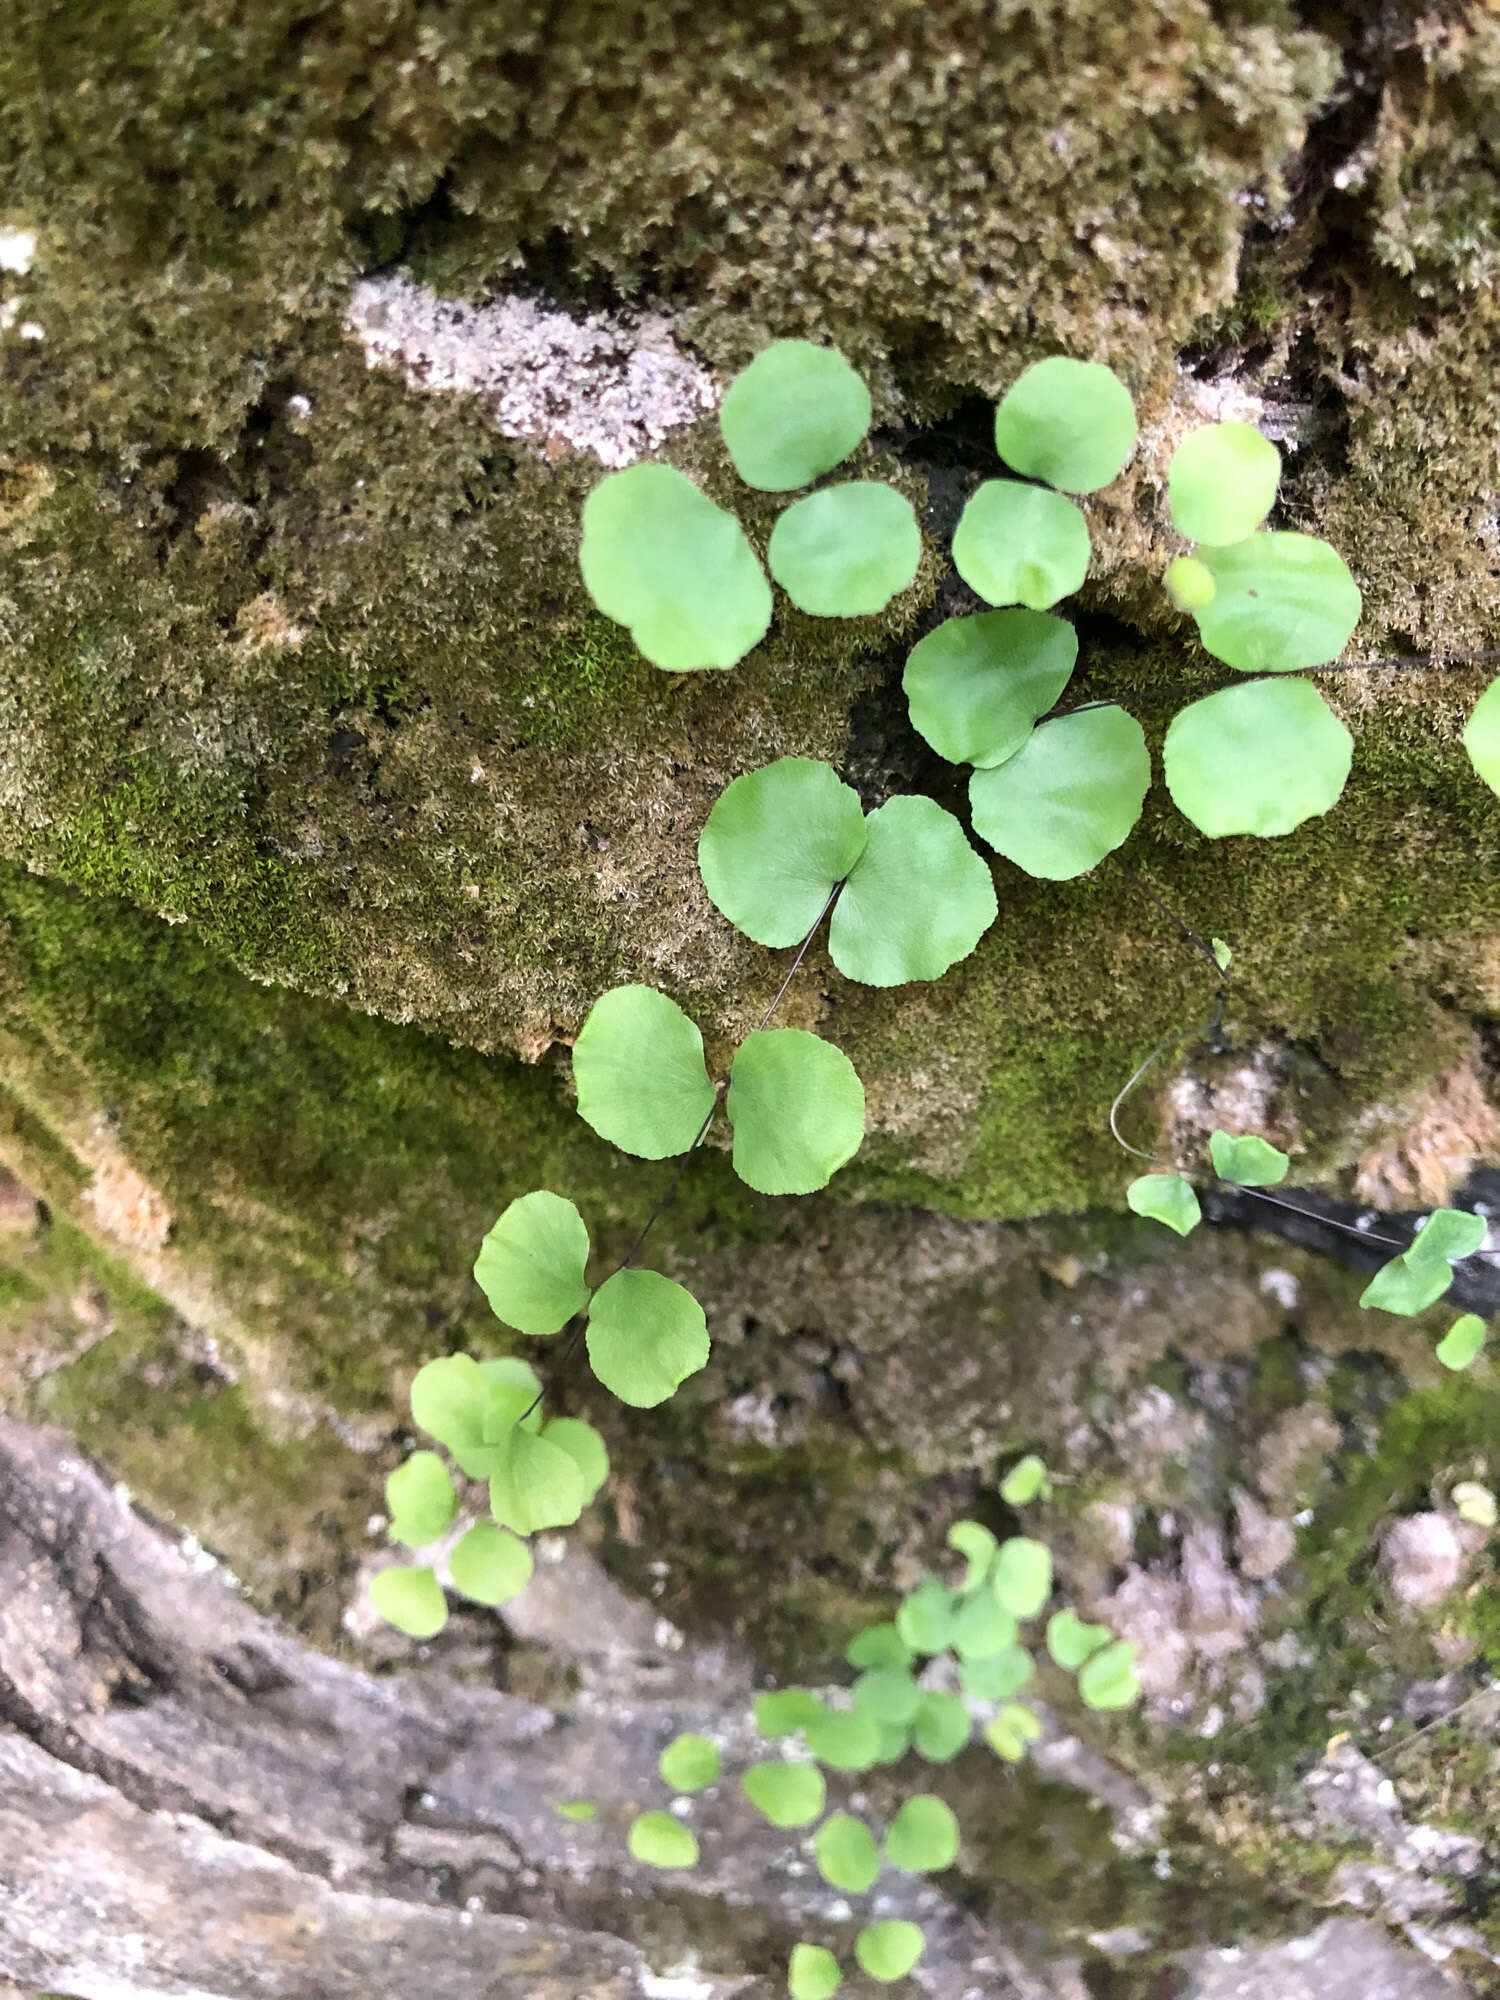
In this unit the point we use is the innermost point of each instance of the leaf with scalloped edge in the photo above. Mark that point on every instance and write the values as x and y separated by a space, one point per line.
917 900
1071 423
793 414
977 686
638 1064
775 843
1068 797
659 557
646 1335
1018 544
530 1265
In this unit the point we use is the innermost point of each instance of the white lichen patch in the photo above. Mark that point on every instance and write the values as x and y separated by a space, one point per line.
17 248
603 385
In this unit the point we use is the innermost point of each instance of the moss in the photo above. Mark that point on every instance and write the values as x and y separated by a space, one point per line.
285 1514
207 184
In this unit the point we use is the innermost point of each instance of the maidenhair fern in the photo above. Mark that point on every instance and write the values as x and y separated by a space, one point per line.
1053 790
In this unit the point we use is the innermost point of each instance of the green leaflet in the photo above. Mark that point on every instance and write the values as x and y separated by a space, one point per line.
530 1265
887 1695
1482 736
450 1400
490 1565
1407 1286
1026 1481
1246 1159
878 1646
1019 544
977 1545
1463 1343
1107 1678
1068 797
1166 1198
1449 1235
1009 1732
1258 759
847 1856
786 1794
997 1676
917 900
775 843
689 1764
812 1973
784 1711
1071 423
925 1618
1071 1642
889 1950
976 686
1189 583
923 1837
941 1729
792 415
421 1500
1222 483
1022 1576
659 557
511 1386
844 1739
411 1600
980 1627
1281 602
797 1108
584 1446
846 551
646 1335
662 1841
536 1485
638 1065
895 1741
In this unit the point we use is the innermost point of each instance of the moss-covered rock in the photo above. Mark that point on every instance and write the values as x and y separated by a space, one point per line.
326 797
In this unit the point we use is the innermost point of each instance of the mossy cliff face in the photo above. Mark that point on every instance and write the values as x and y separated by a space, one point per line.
300 656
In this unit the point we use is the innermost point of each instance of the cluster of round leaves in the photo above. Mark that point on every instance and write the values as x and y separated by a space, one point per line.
779 842
970 1635
540 1474
1055 793
795 1104
645 1333
661 558
1052 792
1408 1284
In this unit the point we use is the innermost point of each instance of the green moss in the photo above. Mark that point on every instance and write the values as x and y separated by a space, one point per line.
285 1514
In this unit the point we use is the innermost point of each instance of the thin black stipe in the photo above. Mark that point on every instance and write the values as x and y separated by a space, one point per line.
1187 931
1323 1221
802 951
668 1193
1207 1030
